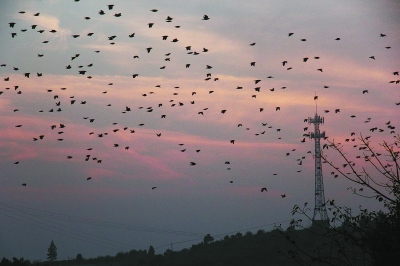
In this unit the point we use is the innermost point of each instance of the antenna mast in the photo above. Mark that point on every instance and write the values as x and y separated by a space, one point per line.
316 103
320 213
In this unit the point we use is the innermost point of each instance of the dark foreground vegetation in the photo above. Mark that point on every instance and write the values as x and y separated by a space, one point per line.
309 246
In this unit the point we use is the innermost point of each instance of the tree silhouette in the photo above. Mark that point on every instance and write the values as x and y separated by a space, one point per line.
52 252
207 239
79 257
371 238
151 251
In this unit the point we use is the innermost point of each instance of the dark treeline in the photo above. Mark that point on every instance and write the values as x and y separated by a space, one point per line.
251 249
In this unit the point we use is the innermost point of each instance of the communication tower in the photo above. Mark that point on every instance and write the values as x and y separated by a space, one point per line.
320 213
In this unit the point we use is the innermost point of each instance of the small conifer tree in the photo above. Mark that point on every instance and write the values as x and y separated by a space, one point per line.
52 252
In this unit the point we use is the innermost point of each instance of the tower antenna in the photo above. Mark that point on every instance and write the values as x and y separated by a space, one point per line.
316 103
320 214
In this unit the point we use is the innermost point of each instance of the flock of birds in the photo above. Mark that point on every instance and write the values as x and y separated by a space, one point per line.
84 69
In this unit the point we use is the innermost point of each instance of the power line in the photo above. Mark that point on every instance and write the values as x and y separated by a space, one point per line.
71 234
31 213
69 218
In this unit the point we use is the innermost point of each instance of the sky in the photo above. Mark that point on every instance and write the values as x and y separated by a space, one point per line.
122 148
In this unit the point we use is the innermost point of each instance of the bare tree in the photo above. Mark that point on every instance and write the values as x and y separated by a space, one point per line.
384 183
370 237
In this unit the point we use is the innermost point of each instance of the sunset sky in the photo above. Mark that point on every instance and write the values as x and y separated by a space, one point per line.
149 130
